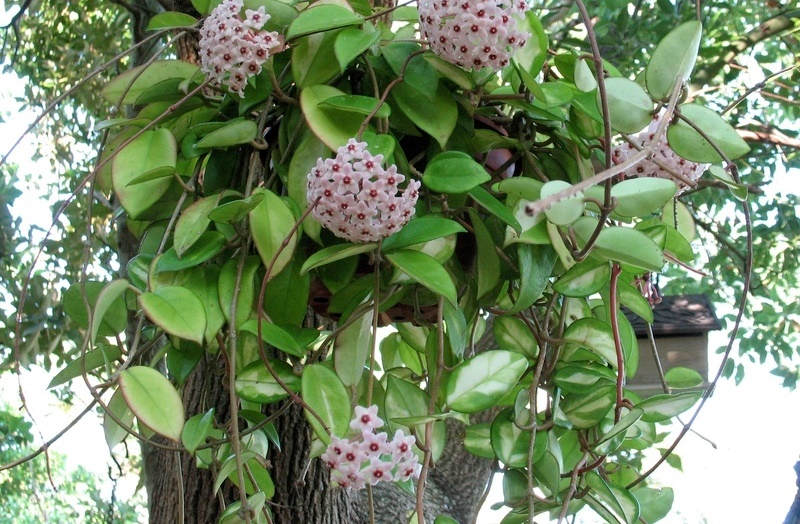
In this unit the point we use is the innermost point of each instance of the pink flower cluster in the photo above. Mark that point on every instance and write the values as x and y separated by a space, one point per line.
358 199
370 457
473 34
663 153
232 49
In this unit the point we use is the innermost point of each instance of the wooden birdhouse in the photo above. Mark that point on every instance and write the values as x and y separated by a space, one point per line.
681 325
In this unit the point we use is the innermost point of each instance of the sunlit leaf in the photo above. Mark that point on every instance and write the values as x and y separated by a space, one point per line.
153 399
478 383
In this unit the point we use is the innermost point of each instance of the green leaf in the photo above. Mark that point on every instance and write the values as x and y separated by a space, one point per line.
313 60
622 244
450 71
512 334
229 467
320 18
638 197
334 253
236 210
114 319
535 266
426 270
170 20
495 207
674 56
177 311
659 408
153 399
478 441
332 126
350 43
656 503
567 211
114 433
533 54
438 118
207 246
454 172
586 411
629 106
324 393
595 335
617 430
109 298
403 400
583 378
511 444
275 336
351 349
286 296
104 354
488 263
151 151
133 83
420 230
739 191
691 145
632 298
480 382
270 223
196 429
192 223
584 79
585 278
231 134
257 384
363 105
681 378
621 501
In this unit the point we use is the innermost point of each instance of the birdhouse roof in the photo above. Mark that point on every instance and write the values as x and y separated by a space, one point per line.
678 315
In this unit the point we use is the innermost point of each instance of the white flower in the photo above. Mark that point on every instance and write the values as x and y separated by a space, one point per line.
233 49
662 153
356 198
473 34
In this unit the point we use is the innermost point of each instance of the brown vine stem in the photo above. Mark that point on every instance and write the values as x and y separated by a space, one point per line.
573 486
433 392
534 208
376 305
613 310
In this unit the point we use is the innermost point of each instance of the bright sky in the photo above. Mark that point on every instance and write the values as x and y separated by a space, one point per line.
748 478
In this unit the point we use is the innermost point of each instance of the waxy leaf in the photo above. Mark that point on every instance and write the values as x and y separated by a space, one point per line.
177 311
595 335
108 299
582 378
674 56
363 105
111 323
170 20
114 433
511 444
192 223
655 503
334 253
207 246
351 349
478 440
426 270
659 408
236 210
270 223
495 207
454 172
322 17
488 263
231 134
438 118
638 197
586 411
230 280
275 336
565 212
512 334
143 78
332 126
619 499
480 382
420 230
196 429
691 145
629 106
324 393
350 43
152 151
104 354
681 377
584 278
153 399
257 384
535 265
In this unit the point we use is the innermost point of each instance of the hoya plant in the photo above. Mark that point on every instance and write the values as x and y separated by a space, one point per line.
371 254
